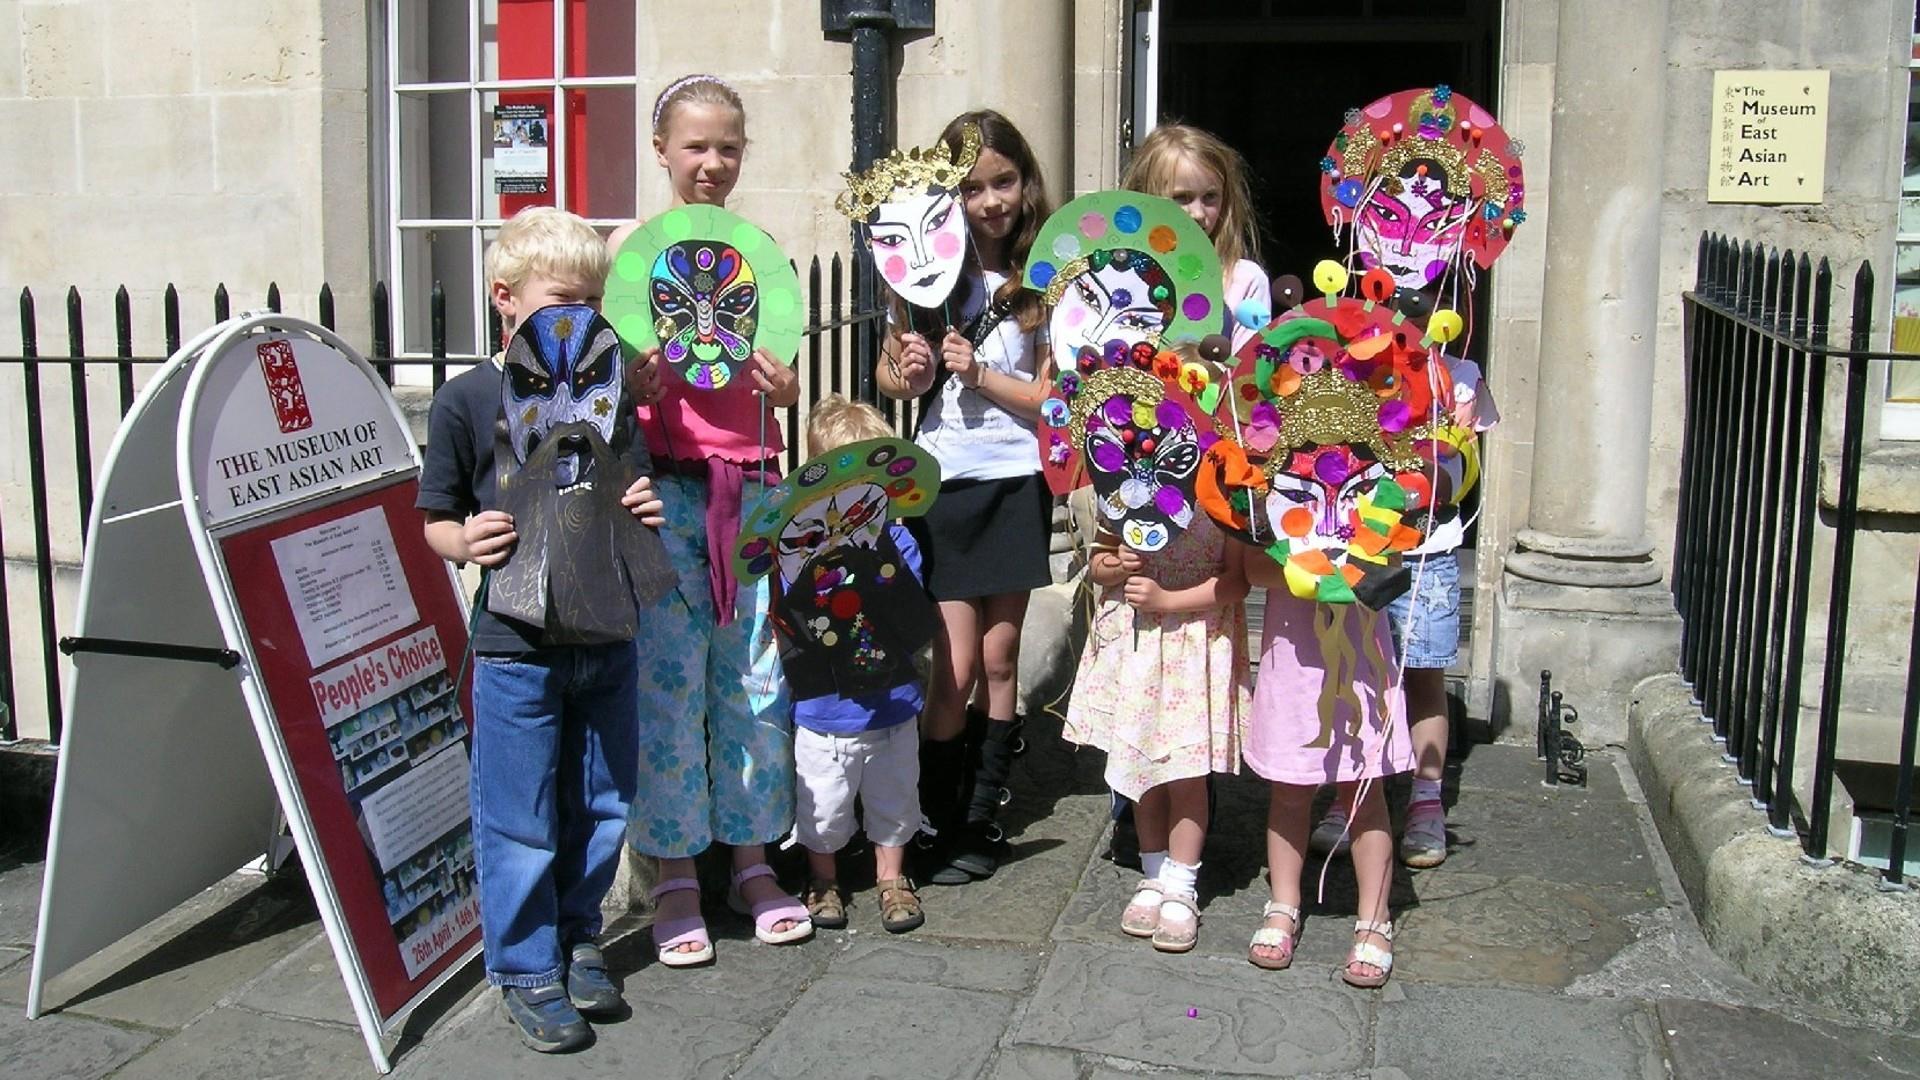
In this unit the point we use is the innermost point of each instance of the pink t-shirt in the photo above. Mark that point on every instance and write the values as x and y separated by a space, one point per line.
689 424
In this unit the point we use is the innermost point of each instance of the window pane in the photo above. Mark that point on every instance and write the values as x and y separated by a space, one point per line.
600 152
436 172
446 256
517 169
433 42
600 37
516 39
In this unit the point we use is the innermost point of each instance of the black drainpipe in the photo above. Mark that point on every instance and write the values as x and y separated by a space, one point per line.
870 25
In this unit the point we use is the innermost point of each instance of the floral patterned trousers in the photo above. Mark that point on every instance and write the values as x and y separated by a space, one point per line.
716 726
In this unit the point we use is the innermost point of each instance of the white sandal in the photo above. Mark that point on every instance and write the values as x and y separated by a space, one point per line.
1143 925
1272 937
1178 936
1366 952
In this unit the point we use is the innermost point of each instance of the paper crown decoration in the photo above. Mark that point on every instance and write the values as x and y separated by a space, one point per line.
1129 424
707 288
1125 241
919 171
1412 153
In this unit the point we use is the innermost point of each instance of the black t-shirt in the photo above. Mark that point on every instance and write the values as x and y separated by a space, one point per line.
457 475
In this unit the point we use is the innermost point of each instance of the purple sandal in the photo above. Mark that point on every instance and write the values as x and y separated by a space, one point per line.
670 934
767 913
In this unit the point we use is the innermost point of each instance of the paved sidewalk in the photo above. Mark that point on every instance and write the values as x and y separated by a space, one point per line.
1553 944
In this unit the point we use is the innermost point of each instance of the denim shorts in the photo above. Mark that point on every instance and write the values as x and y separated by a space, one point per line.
1426 618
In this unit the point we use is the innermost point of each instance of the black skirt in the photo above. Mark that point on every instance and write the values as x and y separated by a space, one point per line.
986 537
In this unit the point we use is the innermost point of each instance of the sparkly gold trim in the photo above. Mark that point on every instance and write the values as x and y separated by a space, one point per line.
913 170
1096 388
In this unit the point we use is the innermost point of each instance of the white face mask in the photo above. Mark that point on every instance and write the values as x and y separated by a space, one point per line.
1099 306
919 245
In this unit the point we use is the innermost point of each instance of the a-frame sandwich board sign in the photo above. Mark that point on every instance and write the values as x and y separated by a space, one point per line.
263 628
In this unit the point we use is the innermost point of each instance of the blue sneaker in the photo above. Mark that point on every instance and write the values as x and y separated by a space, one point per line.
547 1021
587 984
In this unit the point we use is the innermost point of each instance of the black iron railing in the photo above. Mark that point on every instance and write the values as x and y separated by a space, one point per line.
1758 360
837 357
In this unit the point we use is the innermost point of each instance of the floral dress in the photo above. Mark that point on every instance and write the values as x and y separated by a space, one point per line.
1164 695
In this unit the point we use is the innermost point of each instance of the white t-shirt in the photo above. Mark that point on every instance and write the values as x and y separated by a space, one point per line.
971 437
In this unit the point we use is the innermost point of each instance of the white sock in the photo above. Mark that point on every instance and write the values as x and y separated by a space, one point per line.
1177 877
1151 862
1425 790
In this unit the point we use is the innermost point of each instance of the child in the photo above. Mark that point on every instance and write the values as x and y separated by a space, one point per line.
865 746
715 724
985 540
1208 179
554 750
1162 688
1327 708
1426 634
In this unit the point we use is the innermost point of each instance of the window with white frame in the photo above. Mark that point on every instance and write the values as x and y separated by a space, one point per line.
493 106
1900 419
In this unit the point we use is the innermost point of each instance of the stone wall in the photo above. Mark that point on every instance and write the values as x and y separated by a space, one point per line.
191 142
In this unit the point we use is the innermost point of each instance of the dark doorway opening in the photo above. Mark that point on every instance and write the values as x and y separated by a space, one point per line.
1274 78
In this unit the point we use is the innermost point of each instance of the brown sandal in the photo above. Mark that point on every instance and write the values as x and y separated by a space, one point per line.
899 907
826 904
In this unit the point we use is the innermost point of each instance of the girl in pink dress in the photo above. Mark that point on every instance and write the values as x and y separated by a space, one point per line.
1327 709
1162 688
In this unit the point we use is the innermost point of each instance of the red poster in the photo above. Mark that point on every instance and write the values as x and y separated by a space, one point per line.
357 631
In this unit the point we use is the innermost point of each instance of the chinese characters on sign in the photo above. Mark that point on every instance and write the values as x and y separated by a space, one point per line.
1769 137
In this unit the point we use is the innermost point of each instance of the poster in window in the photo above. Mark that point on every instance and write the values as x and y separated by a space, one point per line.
520 149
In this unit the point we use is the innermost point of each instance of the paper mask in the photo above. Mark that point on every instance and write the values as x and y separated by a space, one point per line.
1425 177
1129 425
1120 268
850 613
1316 461
706 287
583 565
909 204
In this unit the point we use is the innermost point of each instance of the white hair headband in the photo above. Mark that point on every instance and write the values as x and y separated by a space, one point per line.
660 103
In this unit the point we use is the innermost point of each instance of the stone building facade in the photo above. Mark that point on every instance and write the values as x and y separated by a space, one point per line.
344 141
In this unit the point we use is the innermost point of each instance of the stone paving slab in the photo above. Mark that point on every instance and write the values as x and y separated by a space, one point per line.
1463 1033
227 1044
19 901
959 967
1519 933
10 956
1512 769
1132 1005
166 986
1707 1041
64 1047
748 981
305 984
870 1027
1033 1063
1554 836
667 1035
1020 902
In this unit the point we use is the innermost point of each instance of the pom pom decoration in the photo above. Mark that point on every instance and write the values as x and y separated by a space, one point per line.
1329 277
1287 292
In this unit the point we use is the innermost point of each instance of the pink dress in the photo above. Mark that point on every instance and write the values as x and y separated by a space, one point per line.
1327 706
1164 695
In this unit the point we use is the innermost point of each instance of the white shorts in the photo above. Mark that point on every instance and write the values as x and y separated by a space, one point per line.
881 767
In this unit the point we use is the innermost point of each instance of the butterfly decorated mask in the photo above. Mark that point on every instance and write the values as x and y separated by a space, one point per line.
708 289
708 307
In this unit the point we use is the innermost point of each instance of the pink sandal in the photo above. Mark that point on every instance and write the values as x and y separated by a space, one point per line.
670 934
768 913
1272 937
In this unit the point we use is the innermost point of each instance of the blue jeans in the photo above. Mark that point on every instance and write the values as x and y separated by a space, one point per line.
555 757
1426 626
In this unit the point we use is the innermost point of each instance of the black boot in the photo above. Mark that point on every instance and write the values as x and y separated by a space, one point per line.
982 846
942 767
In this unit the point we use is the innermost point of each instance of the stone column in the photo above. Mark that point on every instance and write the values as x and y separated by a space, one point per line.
1580 593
